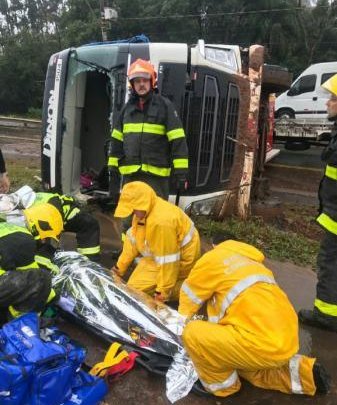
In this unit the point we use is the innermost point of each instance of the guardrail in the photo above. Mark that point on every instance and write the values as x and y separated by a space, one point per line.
20 123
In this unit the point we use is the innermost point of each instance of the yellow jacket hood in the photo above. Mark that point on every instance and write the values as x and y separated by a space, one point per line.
243 249
135 196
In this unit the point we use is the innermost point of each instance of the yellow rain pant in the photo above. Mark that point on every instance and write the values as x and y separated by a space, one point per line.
221 356
145 275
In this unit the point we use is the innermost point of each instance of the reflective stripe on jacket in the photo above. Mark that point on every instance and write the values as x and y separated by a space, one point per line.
241 291
328 186
167 235
151 140
65 204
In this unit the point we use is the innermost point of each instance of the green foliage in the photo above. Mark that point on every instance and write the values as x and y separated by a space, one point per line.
32 30
274 243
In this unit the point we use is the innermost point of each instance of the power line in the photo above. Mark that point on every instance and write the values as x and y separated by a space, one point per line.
236 13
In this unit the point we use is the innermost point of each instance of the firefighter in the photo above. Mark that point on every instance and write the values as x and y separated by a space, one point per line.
148 142
82 223
252 329
162 240
24 284
324 313
4 179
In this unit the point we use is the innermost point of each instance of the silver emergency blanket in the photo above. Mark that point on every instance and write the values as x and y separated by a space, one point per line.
180 377
103 301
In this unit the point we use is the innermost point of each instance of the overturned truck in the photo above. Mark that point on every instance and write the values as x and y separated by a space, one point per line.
215 88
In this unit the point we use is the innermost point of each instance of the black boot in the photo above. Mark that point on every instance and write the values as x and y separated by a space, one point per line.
322 379
317 319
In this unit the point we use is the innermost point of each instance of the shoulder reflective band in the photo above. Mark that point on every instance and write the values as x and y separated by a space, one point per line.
327 223
160 171
113 161
294 371
44 197
180 163
325 308
175 134
2 272
218 386
331 172
89 250
8 229
188 236
167 258
117 135
237 290
186 289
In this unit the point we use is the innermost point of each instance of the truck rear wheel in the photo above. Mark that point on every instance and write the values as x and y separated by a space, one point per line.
296 144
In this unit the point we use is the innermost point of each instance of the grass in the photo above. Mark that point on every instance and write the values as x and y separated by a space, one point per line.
274 243
23 172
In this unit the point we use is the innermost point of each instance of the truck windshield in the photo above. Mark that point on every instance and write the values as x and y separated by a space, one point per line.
102 60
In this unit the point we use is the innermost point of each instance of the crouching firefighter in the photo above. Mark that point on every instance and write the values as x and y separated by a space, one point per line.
252 328
83 224
24 284
162 240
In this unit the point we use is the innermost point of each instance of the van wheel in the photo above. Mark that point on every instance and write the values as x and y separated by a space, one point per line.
285 114
295 144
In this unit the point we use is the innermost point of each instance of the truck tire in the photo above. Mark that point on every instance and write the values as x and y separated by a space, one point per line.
285 113
297 144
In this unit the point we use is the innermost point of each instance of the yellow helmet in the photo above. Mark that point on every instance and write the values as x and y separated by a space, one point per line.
44 221
331 85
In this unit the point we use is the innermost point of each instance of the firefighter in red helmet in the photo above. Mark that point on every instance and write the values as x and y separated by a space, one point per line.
148 142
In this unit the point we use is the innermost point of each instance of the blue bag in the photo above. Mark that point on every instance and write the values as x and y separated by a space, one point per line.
87 390
14 380
54 362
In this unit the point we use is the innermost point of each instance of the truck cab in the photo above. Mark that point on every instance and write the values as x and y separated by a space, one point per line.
86 88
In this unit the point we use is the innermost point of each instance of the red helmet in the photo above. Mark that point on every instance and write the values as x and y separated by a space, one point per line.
142 68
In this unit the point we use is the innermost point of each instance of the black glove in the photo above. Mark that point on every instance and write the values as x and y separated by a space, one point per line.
180 182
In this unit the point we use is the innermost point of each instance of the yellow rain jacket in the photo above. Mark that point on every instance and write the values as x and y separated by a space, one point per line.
252 328
165 242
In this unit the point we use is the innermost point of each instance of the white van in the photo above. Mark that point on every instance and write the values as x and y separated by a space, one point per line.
306 98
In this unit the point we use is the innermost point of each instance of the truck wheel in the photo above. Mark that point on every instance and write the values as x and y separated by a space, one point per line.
296 144
285 113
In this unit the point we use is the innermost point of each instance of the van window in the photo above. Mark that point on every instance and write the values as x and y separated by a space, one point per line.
326 76
305 84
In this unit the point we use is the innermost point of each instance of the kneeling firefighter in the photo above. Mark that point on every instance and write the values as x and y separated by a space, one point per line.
83 224
252 328
162 240
25 285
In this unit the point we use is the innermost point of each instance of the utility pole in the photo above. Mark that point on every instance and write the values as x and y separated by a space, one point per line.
108 15
203 21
